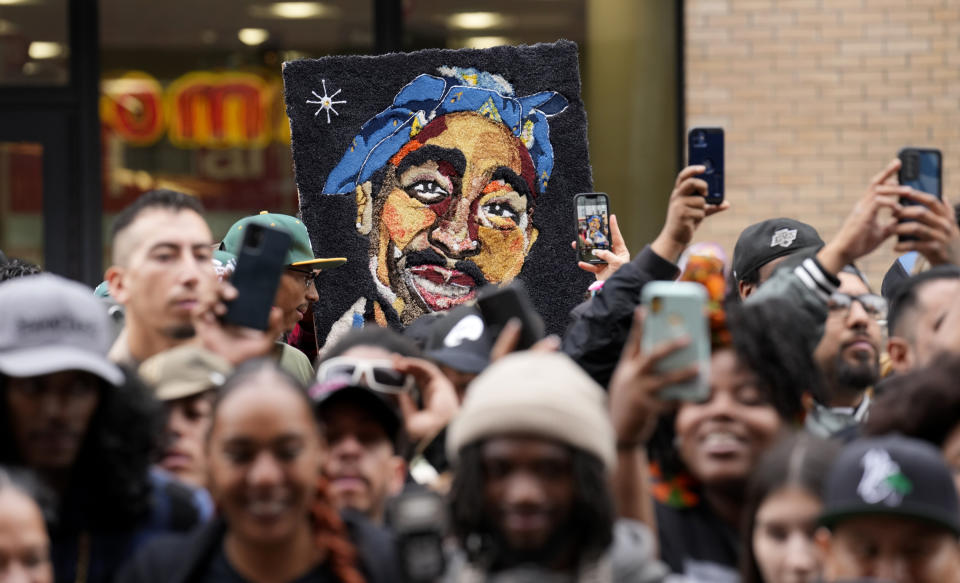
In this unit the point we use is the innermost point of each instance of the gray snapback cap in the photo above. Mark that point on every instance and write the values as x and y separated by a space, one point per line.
49 324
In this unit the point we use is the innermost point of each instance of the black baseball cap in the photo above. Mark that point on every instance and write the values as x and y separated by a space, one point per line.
891 475
762 242
460 340
381 407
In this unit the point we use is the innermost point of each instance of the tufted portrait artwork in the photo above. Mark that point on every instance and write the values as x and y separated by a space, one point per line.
436 173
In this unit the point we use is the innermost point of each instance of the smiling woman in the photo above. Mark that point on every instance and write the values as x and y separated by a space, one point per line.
264 453
714 445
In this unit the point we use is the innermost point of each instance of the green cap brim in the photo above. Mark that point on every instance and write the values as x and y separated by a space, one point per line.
324 263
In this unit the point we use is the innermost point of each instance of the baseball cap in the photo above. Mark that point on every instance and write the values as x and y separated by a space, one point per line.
460 340
300 253
893 476
184 371
328 393
49 324
762 242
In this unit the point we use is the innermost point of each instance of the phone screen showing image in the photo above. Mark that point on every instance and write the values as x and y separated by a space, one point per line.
593 226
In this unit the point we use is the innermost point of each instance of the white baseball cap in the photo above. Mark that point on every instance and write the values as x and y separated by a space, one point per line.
49 324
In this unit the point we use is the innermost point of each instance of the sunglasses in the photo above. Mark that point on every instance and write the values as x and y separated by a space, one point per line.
378 375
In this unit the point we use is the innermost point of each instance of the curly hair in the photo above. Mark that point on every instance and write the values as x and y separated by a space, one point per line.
591 521
330 532
15 267
800 460
110 484
767 342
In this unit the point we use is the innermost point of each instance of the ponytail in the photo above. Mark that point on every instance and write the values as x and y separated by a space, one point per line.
331 536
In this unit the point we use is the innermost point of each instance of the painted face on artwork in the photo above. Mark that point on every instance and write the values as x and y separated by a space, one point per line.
453 213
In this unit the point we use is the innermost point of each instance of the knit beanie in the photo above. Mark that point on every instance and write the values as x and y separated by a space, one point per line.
542 394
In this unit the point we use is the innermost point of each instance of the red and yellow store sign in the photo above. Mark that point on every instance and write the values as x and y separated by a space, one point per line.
197 110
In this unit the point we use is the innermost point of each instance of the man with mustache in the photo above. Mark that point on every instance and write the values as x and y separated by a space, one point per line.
533 448
297 288
848 355
445 182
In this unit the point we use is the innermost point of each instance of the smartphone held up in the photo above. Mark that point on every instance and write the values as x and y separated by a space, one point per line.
920 169
705 148
677 310
260 266
593 225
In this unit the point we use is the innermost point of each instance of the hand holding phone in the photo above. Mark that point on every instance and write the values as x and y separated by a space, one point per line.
677 310
500 305
259 267
637 385
593 225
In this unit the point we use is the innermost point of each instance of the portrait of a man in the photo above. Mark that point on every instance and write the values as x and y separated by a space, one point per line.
446 182
450 183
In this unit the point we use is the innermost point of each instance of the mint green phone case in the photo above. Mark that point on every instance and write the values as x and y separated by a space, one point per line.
677 309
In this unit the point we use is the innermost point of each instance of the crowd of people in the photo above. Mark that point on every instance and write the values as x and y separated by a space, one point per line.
144 439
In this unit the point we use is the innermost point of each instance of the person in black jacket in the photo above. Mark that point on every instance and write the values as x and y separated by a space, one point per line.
84 427
276 521
600 327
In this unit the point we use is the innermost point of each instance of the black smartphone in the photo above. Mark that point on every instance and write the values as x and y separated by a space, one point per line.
593 225
260 265
705 147
920 169
498 305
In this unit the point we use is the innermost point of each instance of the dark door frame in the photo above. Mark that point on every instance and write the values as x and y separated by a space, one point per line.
65 119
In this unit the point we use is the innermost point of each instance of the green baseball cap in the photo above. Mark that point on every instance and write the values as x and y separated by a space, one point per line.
300 253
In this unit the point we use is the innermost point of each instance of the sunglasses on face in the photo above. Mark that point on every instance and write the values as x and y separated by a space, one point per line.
378 375
875 306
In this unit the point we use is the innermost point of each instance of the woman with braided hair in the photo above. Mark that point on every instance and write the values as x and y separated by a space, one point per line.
276 523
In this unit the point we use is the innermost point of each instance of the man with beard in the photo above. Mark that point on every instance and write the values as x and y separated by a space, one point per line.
445 181
848 355
533 449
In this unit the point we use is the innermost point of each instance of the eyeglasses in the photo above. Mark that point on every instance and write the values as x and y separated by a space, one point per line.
378 375
875 306
309 277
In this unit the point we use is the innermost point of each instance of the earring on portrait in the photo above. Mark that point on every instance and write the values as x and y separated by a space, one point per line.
363 193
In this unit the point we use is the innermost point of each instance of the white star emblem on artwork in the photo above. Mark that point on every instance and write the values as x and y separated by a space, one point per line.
325 101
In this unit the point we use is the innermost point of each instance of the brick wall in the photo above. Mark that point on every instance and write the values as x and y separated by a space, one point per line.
816 96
